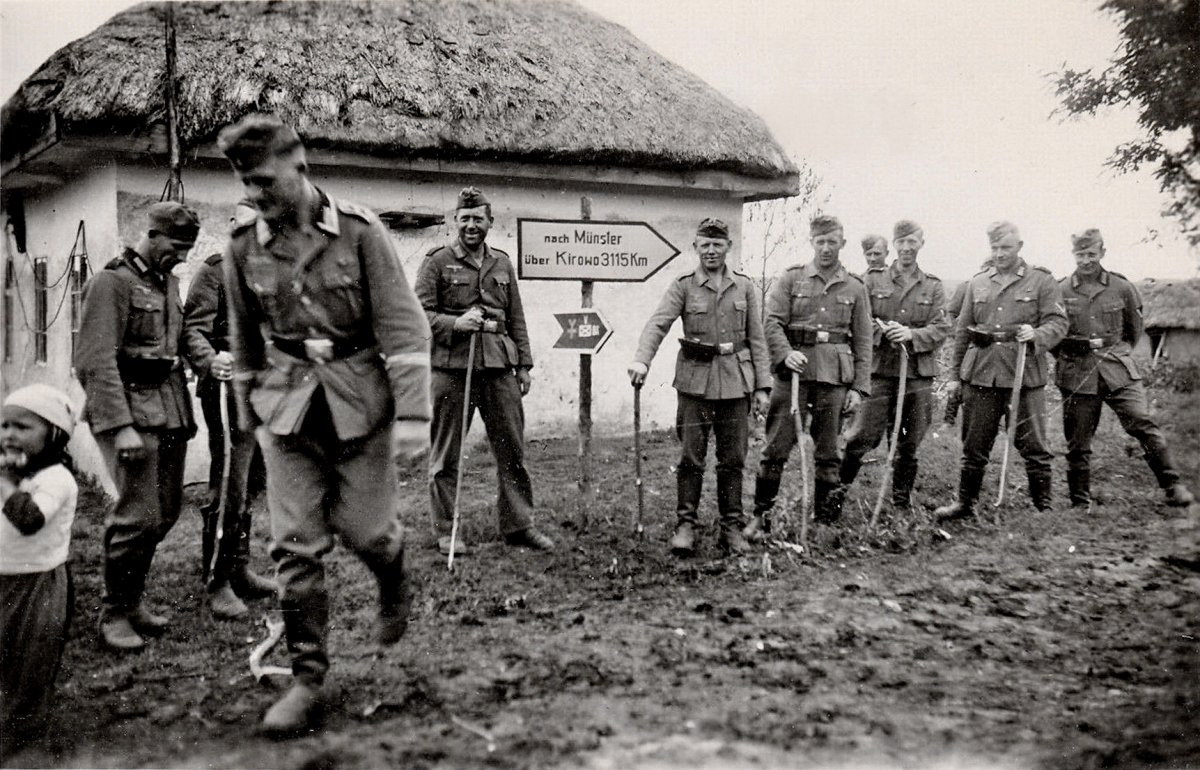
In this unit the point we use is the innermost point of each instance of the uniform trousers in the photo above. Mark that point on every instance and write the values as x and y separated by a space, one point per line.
497 396
319 486
149 497
726 419
983 408
1081 415
823 402
876 415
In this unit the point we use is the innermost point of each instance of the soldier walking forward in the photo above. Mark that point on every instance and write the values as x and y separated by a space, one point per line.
127 360
910 305
1009 304
722 363
818 329
469 292
206 346
331 368
1096 367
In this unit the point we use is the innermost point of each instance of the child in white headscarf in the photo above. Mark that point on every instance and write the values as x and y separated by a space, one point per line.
37 505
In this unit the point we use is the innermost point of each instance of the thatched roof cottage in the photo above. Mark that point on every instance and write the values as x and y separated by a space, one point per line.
401 104
1171 312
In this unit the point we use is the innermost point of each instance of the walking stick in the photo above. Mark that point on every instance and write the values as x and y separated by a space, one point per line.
462 445
213 534
637 457
1014 404
798 418
896 424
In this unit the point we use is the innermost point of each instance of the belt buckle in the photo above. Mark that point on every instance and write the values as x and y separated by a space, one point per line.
1096 343
725 348
822 336
318 350
490 326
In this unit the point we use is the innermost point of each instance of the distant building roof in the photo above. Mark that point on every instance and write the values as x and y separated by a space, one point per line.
1171 304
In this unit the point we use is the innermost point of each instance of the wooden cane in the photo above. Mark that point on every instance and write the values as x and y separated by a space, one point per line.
896 425
1014 404
637 457
230 426
798 419
462 445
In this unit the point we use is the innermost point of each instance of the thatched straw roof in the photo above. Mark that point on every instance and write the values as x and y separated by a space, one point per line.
513 80
1171 304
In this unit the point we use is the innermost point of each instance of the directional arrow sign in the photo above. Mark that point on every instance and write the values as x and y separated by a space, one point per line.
588 250
584 331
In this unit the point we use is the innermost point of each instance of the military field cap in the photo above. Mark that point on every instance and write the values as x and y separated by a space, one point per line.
997 230
255 139
471 198
713 228
906 227
174 220
824 223
870 240
47 402
1089 237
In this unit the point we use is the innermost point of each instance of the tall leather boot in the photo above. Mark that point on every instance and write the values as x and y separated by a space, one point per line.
849 469
1079 487
903 476
395 597
246 583
1159 460
765 491
828 497
729 506
1040 486
690 484
969 484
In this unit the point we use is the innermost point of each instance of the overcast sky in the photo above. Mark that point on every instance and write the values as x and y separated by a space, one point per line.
936 110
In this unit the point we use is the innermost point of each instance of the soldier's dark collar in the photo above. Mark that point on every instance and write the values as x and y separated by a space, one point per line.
1102 277
810 271
324 217
1020 271
137 262
895 272
461 252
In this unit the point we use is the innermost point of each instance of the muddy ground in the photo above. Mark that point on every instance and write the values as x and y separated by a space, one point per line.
1057 640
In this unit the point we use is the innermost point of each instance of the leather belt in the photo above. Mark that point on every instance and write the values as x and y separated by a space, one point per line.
817 336
1081 346
707 351
318 349
984 337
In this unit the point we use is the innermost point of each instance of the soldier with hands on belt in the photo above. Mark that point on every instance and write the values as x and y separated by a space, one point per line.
469 292
722 364
909 309
1095 366
1009 304
818 329
127 360
206 346
331 369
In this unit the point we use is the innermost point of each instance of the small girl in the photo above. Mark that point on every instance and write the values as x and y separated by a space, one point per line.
38 495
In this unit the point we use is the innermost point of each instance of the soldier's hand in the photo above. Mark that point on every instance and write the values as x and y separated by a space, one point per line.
129 445
637 373
898 334
524 381
410 439
1025 333
762 401
222 366
851 404
470 321
796 361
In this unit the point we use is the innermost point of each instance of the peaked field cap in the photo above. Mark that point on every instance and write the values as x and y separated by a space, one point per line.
1088 237
174 220
997 230
824 223
713 228
471 198
256 138
47 402
906 227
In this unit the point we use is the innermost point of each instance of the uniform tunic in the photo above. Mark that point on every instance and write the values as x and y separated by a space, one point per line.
330 346
919 304
127 360
985 355
722 360
1095 366
448 284
830 322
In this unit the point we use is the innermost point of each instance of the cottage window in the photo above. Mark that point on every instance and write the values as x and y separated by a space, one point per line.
40 309
79 276
10 302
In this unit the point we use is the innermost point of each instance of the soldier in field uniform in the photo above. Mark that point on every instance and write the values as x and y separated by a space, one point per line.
818 330
1096 367
331 367
127 360
1011 303
722 363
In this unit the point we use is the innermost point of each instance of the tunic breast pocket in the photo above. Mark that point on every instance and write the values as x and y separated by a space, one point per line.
340 284
147 321
804 303
458 290
696 321
882 305
739 315
1026 309
922 311
1075 310
501 286
1114 316
842 308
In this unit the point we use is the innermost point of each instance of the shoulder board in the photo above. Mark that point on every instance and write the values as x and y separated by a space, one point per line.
799 266
1066 279
434 250
355 210
500 252
855 277
1045 270
739 272
981 272
932 277
214 259
114 263
685 276
1117 275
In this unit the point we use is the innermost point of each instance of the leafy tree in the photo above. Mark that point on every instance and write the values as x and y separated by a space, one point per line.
1156 71
774 230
